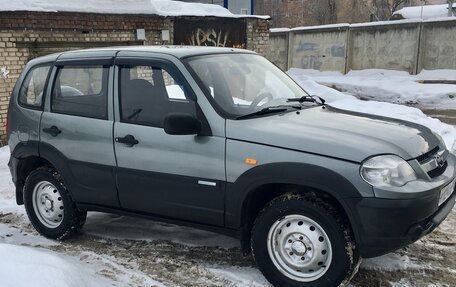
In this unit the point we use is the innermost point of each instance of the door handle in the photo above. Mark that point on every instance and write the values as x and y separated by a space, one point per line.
53 131
128 140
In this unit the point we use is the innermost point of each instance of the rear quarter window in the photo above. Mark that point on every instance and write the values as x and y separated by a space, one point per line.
32 88
81 91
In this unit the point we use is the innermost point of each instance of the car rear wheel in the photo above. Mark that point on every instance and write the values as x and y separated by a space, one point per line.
300 241
49 206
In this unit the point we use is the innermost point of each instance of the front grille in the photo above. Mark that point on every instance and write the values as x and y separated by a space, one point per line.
434 162
438 171
422 158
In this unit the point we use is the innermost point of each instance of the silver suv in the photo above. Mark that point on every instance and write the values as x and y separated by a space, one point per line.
223 140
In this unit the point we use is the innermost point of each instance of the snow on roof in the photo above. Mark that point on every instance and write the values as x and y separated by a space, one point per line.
429 11
346 25
329 26
279 30
151 7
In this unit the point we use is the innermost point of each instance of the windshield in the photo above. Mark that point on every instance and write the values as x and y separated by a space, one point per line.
242 84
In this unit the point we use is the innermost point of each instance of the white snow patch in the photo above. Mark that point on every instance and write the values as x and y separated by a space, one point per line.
241 276
389 262
437 75
24 266
385 23
124 275
425 12
319 27
390 86
402 283
154 7
279 30
7 194
12 235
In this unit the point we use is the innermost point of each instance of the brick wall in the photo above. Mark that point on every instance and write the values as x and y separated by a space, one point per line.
258 35
26 35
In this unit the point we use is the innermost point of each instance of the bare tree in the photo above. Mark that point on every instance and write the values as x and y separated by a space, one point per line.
323 11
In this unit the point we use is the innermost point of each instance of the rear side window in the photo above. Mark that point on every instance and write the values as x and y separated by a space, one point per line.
31 92
81 91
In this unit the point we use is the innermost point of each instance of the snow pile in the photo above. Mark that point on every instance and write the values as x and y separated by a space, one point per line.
437 75
7 195
348 102
390 86
24 267
246 276
389 262
424 12
154 7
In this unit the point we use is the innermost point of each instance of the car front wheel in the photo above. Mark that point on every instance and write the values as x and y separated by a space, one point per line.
302 241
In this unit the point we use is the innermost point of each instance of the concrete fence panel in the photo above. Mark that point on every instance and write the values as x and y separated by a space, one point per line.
393 47
438 45
406 45
278 49
319 49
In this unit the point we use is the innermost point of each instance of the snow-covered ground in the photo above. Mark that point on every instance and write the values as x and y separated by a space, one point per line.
389 86
123 251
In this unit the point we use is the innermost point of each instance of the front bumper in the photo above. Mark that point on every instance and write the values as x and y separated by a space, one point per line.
385 225
382 225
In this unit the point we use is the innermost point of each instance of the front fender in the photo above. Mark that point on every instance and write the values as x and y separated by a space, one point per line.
239 194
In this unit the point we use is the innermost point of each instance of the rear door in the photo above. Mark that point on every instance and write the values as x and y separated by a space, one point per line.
76 128
174 176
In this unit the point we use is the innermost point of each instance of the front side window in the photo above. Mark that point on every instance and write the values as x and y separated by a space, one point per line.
31 92
148 94
240 84
81 91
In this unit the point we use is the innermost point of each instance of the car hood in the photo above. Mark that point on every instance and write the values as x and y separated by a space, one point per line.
335 133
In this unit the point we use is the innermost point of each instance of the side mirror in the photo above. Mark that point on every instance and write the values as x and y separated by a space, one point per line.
181 124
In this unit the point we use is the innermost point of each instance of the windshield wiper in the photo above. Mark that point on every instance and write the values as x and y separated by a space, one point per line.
269 110
308 99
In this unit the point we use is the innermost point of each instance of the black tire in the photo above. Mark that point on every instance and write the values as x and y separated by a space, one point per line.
72 219
345 259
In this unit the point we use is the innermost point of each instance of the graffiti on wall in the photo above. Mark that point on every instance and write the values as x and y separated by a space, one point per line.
316 55
214 33
4 72
209 37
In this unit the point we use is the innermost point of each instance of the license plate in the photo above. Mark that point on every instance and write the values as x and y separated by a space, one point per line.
446 192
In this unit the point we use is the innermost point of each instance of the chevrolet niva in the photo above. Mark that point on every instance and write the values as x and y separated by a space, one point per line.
223 140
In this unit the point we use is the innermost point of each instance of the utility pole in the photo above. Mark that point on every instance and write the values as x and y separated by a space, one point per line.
450 8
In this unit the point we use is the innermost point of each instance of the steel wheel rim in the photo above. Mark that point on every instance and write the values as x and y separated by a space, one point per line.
48 204
299 248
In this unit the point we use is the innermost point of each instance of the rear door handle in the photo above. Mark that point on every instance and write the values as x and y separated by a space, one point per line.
53 131
128 140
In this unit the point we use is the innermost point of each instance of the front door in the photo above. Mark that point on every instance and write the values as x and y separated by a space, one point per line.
174 176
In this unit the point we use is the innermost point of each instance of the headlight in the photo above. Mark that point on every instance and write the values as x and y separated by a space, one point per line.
387 170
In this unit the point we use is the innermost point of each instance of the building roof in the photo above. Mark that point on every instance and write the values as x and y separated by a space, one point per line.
428 12
148 7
